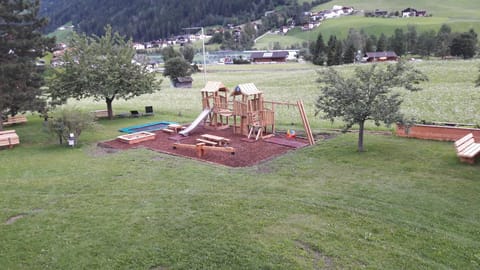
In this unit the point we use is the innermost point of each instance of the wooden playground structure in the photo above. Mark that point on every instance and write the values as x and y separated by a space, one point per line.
215 98
247 107
251 116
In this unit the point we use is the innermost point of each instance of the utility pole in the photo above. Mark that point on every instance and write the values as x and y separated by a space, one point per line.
203 51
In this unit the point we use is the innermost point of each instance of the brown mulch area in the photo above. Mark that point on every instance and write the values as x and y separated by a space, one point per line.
247 152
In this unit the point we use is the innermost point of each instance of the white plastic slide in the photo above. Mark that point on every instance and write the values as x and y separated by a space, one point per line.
195 123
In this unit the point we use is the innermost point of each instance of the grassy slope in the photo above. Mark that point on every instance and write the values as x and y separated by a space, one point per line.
460 15
403 204
63 36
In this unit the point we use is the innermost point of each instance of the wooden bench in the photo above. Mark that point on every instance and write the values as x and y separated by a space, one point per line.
167 130
207 142
100 113
217 139
9 138
201 148
17 119
467 148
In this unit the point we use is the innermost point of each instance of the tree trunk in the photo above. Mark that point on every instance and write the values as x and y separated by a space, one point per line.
109 107
1 121
360 136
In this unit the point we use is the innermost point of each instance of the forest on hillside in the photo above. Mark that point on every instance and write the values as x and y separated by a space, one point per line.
146 20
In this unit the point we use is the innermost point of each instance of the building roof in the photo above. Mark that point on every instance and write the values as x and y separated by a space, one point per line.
268 55
184 79
211 87
246 89
381 54
409 9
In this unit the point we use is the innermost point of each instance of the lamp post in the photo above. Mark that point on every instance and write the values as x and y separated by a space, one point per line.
203 51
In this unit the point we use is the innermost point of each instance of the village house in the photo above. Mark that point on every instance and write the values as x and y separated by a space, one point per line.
411 12
139 46
308 26
342 10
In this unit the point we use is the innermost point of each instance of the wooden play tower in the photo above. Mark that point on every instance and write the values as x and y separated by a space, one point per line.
247 107
215 97
251 111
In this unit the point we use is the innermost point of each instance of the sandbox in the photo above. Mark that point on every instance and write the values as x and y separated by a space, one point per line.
137 137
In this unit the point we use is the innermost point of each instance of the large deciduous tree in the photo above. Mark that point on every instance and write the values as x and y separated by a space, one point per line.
368 95
177 67
102 68
21 43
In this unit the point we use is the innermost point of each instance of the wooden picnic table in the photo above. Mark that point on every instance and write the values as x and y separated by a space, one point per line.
175 127
220 140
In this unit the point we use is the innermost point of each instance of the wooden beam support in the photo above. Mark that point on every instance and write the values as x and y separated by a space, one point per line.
201 148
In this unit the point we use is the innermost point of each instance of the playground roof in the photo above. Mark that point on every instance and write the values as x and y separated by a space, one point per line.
214 87
246 89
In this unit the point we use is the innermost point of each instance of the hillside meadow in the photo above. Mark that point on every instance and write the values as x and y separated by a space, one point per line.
461 16
450 94
402 204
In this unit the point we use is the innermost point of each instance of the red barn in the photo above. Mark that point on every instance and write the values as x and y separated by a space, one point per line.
380 56
269 57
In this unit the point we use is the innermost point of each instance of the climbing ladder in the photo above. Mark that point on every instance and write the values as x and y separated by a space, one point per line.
306 124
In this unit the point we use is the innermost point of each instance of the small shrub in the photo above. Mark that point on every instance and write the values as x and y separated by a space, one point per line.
69 120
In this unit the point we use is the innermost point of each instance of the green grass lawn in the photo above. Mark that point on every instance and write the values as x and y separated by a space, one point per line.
403 204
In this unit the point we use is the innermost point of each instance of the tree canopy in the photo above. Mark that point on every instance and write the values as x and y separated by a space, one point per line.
464 44
442 43
21 44
177 67
102 68
368 95
150 20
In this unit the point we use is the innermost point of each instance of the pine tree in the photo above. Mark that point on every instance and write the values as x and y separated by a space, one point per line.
349 55
21 43
371 44
444 38
397 42
338 52
382 43
426 43
331 55
318 51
